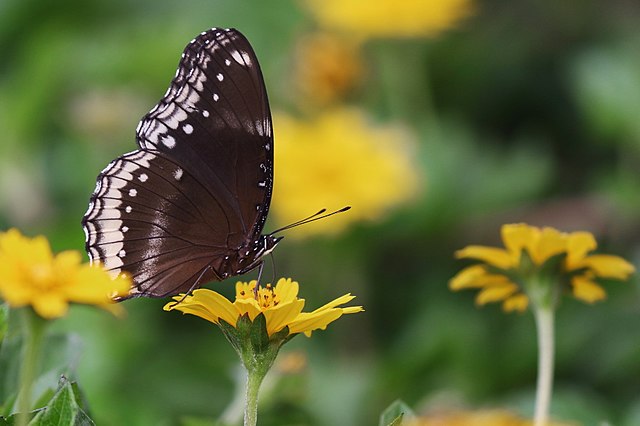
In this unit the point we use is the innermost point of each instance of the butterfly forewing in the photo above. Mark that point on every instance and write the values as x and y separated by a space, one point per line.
175 211
217 110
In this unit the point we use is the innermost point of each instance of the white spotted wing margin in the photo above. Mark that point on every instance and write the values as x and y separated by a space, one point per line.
189 206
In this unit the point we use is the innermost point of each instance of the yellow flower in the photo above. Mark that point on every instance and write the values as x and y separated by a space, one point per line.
507 274
280 306
340 158
31 275
326 67
389 18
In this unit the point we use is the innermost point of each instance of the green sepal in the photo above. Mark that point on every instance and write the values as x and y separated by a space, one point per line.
282 336
544 283
231 333
258 334
243 326
395 413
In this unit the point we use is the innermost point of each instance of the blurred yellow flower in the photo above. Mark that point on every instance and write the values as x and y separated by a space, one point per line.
31 275
279 305
528 257
326 67
389 18
476 418
339 158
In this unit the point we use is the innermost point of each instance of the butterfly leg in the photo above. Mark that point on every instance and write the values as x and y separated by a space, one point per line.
255 289
195 284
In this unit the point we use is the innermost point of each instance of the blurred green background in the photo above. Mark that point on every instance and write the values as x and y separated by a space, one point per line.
523 111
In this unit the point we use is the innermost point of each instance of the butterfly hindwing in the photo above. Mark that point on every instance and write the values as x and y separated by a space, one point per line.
146 218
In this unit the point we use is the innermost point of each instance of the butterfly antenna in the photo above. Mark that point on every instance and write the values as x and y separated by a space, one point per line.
316 216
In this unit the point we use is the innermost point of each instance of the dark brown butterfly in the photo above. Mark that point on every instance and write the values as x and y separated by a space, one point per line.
189 205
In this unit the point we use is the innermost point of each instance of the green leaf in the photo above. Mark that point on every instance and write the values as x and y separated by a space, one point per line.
395 413
65 408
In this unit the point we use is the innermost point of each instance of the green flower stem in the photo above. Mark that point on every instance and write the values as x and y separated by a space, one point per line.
254 380
33 333
544 324
257 364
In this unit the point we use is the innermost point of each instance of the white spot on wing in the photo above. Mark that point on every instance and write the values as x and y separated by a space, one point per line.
220 77
128 209
227 62
188 128
169 141
216 97
205 113
143 177
177 174
133 193
241 57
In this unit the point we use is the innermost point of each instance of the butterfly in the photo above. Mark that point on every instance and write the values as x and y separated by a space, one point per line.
189 205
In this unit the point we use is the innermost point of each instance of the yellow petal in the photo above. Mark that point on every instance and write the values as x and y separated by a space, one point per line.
286 290
519 303
307 322
282 315
495 293
15 295
586 290
519 236
578 245
245 290
248 306
609 266
336 302
197 310
39 249
551 242
67 261
492 255
93 285
352 309
50 305
476 276
217 304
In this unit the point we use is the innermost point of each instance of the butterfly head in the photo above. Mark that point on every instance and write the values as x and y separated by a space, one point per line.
254 255
268 243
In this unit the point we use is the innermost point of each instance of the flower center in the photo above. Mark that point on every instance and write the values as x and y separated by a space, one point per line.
39 275
267 297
